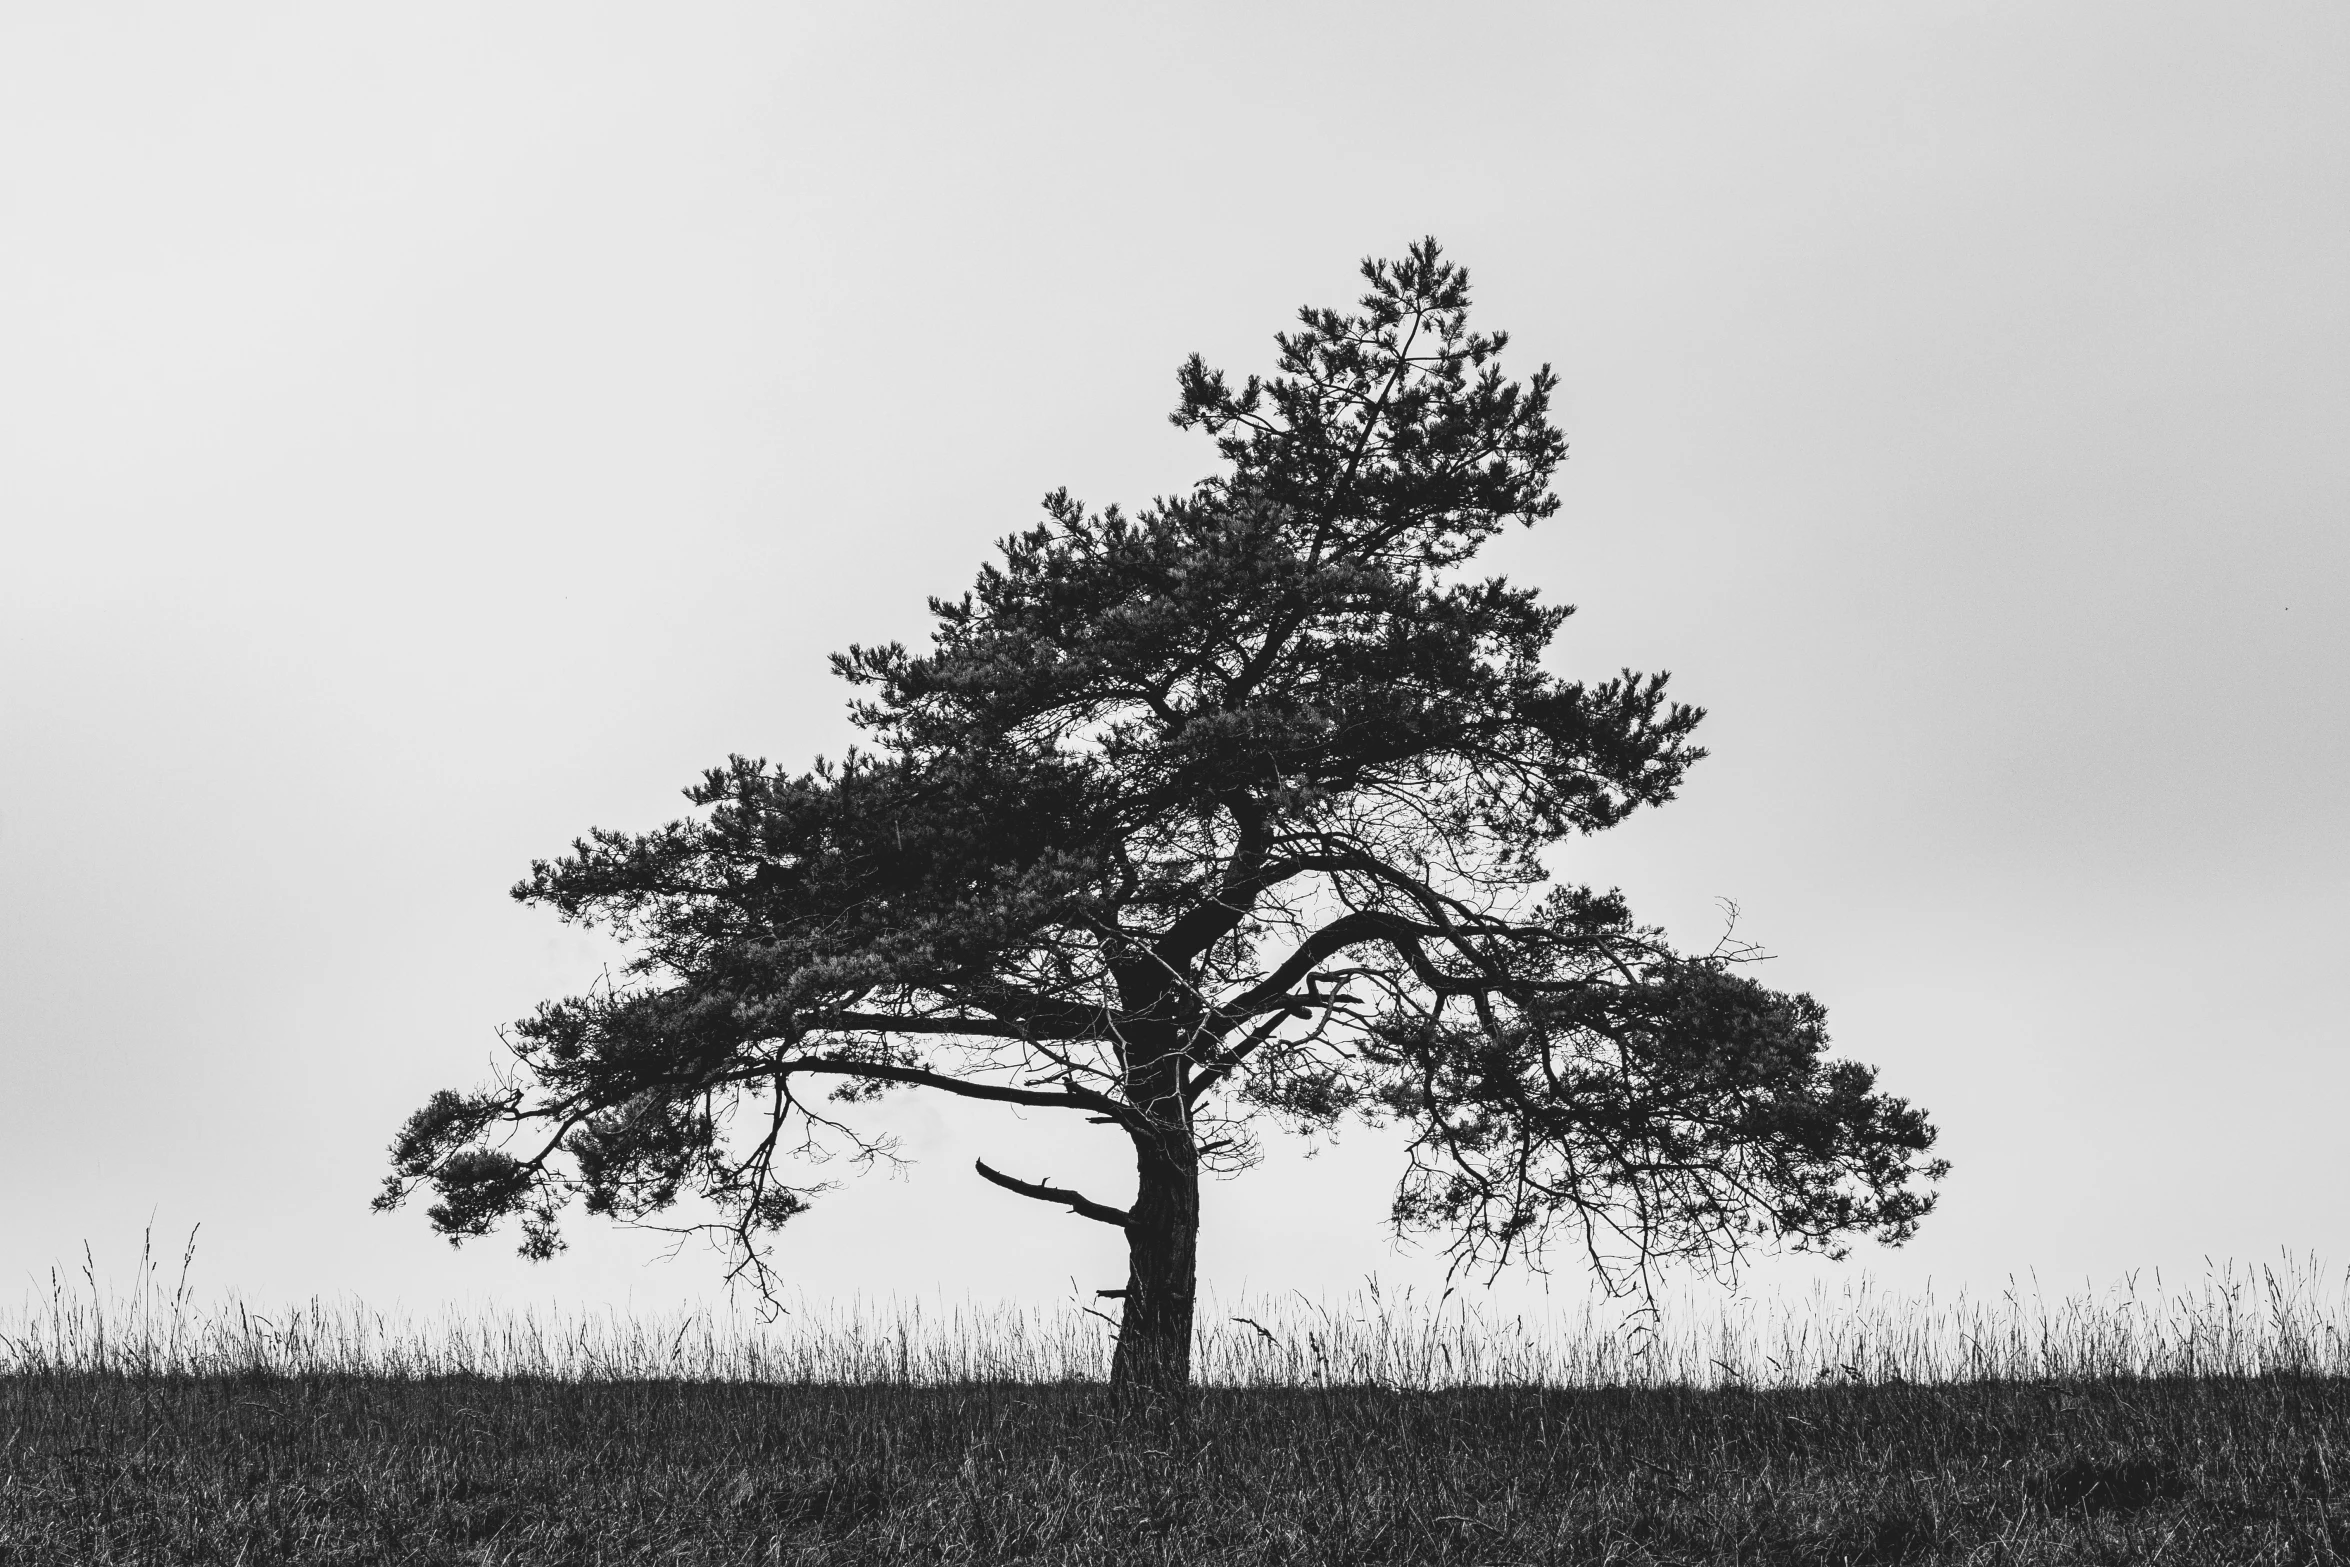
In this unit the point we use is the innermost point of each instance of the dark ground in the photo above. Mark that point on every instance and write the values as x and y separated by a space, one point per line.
96 1469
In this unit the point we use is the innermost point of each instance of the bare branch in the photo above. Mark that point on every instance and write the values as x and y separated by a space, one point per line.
1076 1202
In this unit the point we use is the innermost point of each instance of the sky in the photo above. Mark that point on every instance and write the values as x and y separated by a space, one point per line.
428 433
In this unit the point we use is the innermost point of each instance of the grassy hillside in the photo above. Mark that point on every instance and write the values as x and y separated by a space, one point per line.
261 1469
2204 1426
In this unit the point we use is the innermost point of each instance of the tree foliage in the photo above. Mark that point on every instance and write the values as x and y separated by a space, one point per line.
1238 809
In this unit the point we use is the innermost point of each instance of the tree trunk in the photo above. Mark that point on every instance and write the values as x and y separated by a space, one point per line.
1153 1360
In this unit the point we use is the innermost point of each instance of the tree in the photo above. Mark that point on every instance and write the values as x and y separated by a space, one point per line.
1232 811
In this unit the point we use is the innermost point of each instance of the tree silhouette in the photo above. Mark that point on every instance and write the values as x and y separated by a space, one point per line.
1228 811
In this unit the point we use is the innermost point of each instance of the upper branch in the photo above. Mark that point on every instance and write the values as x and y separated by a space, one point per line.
1346 931
1244 879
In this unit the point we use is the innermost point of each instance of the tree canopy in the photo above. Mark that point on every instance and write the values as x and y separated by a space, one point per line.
1240 809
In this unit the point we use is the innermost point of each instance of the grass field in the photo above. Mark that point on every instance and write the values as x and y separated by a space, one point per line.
2200 1427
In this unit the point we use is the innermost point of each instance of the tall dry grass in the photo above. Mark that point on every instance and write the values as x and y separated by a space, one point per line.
2289 1318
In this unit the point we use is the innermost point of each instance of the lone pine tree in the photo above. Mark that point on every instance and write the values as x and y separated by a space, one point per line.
1229 810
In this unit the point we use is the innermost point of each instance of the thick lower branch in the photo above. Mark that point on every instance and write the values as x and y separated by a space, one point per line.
1067 1099
1091 1027
1228 1061
1076 1202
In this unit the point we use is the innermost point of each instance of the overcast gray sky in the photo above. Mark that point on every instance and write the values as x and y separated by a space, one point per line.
427 432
